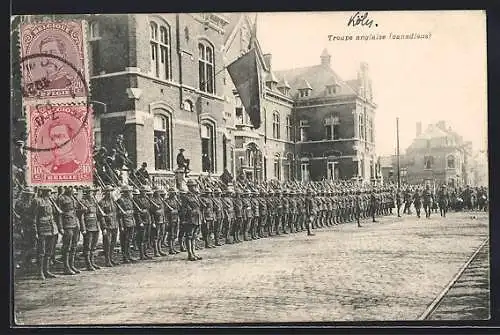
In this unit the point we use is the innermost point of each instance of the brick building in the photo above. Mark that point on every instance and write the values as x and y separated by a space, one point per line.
437 155
160 80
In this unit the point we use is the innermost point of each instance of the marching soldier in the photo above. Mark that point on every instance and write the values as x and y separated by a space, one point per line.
301 210
442 197
219 216
399 201
407 201
191 216
87 212
172 205
428 200
24 212
292 208
158 225
247 213
208 216
108 219
127 224
46 229
417 202
71 228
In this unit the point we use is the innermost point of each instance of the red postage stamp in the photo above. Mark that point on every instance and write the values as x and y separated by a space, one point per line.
61 145
55 75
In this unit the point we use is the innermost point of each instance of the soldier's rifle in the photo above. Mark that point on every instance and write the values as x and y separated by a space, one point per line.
98 207
59 210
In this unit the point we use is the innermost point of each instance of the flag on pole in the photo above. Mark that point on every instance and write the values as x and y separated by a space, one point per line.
245 74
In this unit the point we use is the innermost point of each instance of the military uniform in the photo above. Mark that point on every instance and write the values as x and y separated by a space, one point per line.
219 216
157 212
143 222
127 224
262 213
71 235
417 202
373 204
442 197
191 217
311 209
25 208
292 210
173 211
109 225
208 216
238 212
46 230
428 200
88 215
254 221
227 202
271 212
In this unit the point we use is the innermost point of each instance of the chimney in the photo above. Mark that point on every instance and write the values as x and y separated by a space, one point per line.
325 58
419 128
267 60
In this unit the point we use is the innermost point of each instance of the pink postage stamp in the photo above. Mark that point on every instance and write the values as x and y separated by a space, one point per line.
61 145
55 75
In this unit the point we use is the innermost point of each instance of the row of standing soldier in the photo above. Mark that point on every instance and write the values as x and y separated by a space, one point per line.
148 219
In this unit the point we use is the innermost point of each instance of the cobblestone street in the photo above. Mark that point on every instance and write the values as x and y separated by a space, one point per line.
389 270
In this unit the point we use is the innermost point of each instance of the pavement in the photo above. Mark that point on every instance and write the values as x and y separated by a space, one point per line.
390 270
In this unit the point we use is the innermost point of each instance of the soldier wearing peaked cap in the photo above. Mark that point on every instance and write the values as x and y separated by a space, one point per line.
238 212
262 213
127 224
143 221
71 228
208 217
108 219
90 228
311 211
229 215
254 221
157 212
24 211
219 215
172 208
46 230
191 217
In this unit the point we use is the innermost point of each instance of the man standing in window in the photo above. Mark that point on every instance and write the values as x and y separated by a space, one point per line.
182 162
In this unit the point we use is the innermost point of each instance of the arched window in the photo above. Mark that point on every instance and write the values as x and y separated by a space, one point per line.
276 125
187 105
206 67
208 147
160 50
451 162
162 142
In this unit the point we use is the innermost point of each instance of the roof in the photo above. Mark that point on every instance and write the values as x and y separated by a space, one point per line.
317 76
431 132
234 19
271 77
283 83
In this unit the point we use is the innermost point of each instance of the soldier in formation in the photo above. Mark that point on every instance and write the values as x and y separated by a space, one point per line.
158 218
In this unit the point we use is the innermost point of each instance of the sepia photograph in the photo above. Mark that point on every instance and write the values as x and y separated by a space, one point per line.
244 168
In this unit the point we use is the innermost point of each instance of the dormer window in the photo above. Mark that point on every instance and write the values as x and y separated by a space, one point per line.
332 89
304 92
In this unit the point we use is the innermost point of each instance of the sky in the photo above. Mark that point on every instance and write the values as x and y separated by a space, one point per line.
420 80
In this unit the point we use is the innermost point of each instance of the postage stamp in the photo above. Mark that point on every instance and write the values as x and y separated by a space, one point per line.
62 139
51 77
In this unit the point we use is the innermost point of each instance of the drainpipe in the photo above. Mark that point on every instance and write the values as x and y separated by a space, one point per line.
179 53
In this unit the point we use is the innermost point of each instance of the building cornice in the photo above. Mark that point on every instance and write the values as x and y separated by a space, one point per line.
136 71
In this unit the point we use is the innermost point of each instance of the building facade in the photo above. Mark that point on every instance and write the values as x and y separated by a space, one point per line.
161 81
437 155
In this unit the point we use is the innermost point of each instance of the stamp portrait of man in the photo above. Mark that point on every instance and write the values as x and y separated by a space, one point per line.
64 158
55 70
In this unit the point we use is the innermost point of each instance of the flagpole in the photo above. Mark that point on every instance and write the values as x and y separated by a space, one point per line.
397 153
